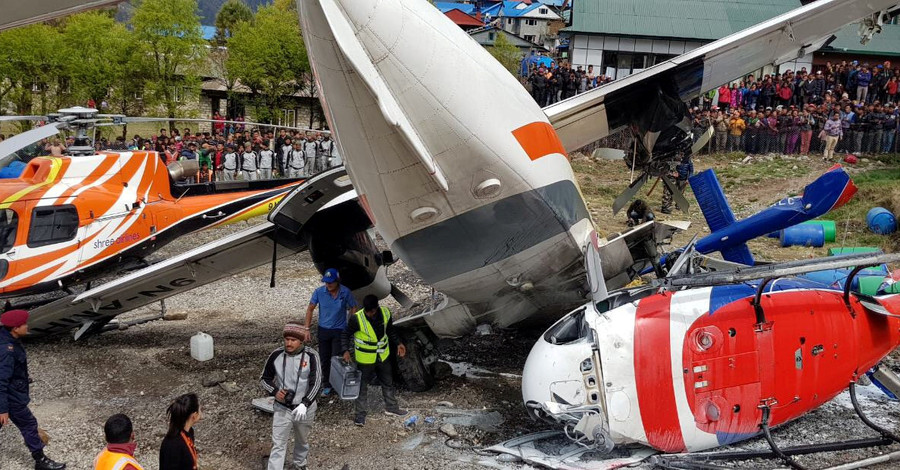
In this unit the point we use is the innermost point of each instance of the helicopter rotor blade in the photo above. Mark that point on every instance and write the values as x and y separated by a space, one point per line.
24 118
19 141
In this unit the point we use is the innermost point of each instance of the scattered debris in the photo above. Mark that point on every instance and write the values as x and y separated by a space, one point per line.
411 421
413 441
481 419
464 369
449 430
264 404
175 316
445 404
45 438
230 387
552 449
213 379
483 329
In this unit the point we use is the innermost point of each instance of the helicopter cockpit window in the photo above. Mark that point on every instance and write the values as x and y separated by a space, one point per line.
9 224
51 225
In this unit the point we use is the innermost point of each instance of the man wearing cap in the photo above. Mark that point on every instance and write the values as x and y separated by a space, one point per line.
293 375
335 303
14 387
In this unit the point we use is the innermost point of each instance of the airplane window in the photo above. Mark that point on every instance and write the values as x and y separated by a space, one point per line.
568 330
51 225
9 223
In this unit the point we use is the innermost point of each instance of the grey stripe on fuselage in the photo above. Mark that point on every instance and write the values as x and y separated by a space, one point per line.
492 232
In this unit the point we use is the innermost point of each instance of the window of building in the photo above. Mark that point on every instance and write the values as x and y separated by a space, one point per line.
529 37
51 225
531 22
509 21
543 11
491 37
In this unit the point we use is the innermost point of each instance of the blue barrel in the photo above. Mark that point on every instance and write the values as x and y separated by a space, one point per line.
803 235
881 221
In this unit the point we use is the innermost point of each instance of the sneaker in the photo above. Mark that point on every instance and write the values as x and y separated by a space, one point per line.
360 420
396 412
326 391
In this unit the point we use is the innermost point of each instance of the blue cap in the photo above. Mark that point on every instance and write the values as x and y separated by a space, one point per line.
331 275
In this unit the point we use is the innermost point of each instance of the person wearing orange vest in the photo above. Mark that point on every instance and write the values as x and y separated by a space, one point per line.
120 446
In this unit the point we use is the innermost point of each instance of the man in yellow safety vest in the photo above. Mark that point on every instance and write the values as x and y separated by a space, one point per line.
372 332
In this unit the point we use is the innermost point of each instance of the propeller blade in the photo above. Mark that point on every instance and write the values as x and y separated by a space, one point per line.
608 154
680 202
629 193
24 118
401 298
703 140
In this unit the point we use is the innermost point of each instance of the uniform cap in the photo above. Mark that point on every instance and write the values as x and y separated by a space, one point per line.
14 318
331 275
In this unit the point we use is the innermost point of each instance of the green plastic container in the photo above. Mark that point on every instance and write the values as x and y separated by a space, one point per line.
828 226
868 285
848 250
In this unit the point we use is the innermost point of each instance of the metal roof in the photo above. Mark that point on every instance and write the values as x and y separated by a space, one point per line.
885 44
684 19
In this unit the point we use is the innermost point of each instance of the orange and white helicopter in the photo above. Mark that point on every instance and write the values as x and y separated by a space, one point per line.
69 220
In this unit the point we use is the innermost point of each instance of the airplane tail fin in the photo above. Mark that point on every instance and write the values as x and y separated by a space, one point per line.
717 212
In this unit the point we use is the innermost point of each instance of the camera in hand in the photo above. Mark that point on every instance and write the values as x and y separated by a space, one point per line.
289 396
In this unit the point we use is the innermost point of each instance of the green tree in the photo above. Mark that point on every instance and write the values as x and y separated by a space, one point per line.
506 53
230 15
268 56
98 53
31 62
171 40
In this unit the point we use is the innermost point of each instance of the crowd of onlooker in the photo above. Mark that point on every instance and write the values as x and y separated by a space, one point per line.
777 113
235 152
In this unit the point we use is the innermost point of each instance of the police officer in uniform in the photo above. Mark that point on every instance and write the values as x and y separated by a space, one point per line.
372 330
14 393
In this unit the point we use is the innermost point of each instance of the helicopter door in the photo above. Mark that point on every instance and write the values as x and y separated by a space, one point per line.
9 227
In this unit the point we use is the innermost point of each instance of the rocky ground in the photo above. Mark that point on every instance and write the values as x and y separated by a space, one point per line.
139 370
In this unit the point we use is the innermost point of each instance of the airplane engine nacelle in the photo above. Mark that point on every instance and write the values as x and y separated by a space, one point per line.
338 237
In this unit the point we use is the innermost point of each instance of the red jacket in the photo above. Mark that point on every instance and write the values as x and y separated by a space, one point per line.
724 95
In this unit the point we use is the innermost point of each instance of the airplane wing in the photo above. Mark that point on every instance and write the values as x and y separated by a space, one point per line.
18 13
592 115
91 310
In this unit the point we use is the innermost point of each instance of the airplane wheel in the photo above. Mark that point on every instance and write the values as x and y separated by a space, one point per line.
417 367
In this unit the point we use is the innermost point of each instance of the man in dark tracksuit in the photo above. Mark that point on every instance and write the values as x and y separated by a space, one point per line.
14 388
369 334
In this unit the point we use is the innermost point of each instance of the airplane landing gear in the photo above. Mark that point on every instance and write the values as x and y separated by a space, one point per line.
417 368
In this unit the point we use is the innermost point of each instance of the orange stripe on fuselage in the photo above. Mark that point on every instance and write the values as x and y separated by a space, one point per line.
539 139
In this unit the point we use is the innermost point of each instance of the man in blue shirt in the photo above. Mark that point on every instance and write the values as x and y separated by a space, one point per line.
335 303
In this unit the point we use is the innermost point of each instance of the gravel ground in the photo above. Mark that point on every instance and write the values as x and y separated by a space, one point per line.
139 370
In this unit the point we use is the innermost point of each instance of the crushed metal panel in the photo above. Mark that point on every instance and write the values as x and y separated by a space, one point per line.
534 448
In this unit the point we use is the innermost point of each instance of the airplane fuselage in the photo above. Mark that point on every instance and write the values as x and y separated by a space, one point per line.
462 174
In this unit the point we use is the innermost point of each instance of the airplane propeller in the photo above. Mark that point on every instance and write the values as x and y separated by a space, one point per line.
677 196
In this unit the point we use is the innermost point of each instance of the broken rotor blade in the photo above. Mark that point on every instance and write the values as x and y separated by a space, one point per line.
677 196
702 140
629 193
